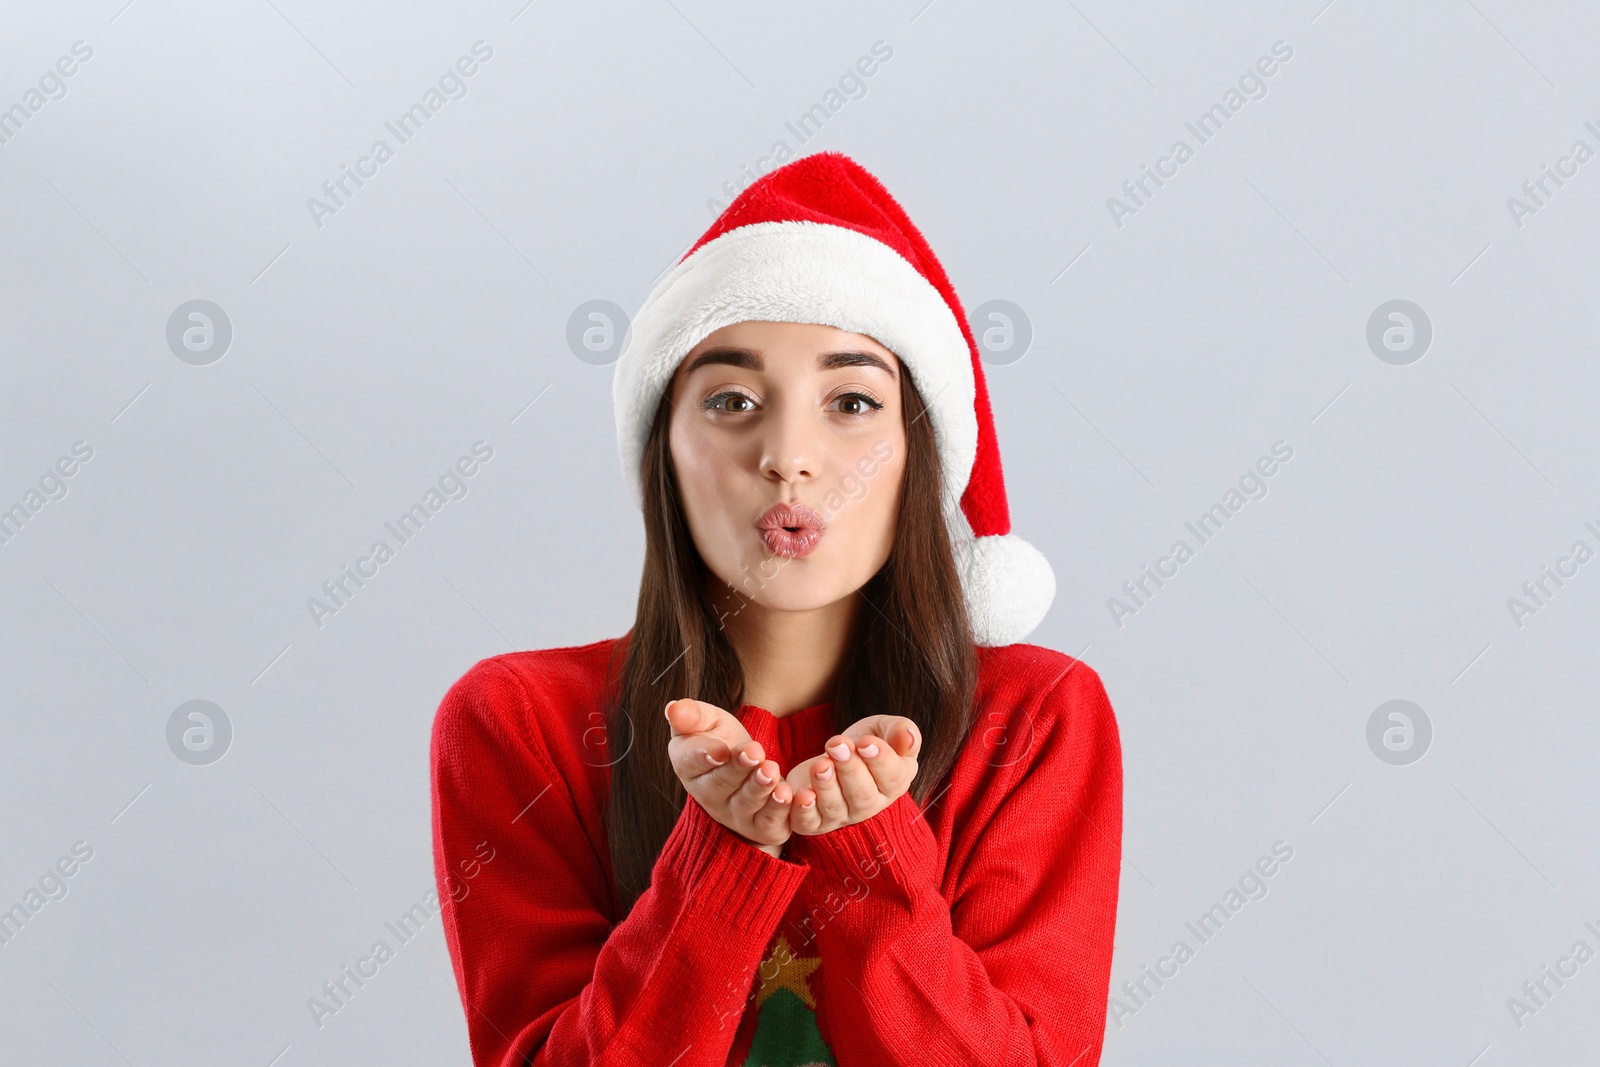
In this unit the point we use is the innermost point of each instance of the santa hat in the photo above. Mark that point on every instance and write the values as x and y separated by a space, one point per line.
820 240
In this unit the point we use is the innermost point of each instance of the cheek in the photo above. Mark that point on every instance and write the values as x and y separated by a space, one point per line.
708 486
868 494
890 479
701 470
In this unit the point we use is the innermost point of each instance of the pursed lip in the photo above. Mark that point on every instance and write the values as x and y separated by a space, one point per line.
791 529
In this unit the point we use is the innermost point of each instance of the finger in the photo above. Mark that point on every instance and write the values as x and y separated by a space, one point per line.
710 762
697 716
902 734
804 818
695 755
750 754
831 805
772 820
686 717
704 739
732 770
856 784
879 766
904 737
751 795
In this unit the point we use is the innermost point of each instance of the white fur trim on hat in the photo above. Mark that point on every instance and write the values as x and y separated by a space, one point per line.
800 272
1009 586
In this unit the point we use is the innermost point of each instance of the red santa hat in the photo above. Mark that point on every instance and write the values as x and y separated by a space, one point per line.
820 240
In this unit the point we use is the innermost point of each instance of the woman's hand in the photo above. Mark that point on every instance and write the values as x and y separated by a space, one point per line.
722 768
865 769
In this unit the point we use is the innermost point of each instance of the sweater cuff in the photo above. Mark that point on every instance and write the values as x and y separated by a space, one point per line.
897 839
747 886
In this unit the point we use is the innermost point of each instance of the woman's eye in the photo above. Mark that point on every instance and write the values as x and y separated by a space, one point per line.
857 404
720 401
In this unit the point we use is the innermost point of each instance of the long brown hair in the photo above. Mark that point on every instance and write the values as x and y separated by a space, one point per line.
912 652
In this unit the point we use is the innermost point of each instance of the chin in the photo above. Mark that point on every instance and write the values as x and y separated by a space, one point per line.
807 596
803 584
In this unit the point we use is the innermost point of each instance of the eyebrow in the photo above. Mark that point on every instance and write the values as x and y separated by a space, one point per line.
750 359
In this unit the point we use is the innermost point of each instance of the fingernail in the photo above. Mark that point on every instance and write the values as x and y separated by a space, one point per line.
748 758
714 762
825 773
808 804
840 752
667 711
869 750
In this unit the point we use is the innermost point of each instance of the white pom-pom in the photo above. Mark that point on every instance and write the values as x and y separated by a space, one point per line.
1009 587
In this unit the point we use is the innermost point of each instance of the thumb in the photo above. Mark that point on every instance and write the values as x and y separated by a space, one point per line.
693 716
901 733
907 739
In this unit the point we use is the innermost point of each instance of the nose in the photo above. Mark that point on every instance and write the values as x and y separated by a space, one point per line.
790 451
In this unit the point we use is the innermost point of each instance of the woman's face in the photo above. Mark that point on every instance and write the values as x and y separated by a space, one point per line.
774 413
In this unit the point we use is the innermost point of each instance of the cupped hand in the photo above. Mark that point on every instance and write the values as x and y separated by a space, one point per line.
863 771
722 768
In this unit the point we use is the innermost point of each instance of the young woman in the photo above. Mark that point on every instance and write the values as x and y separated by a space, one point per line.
820 805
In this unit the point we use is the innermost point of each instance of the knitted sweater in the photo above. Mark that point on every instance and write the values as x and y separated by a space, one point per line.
975 930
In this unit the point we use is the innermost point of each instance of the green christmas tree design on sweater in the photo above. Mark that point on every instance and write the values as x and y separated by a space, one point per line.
786 1033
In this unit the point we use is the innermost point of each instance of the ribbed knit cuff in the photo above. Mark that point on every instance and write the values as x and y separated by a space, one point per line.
746 885
897 842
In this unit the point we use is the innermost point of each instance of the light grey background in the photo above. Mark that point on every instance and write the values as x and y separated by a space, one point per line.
1168 354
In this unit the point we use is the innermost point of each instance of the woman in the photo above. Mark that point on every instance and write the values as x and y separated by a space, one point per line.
820 805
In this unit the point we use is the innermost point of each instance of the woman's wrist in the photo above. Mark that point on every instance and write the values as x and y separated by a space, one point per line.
775 851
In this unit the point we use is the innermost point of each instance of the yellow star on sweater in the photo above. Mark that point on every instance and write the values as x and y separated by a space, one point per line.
791 974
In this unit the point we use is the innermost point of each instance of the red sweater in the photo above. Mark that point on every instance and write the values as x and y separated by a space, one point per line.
977 930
